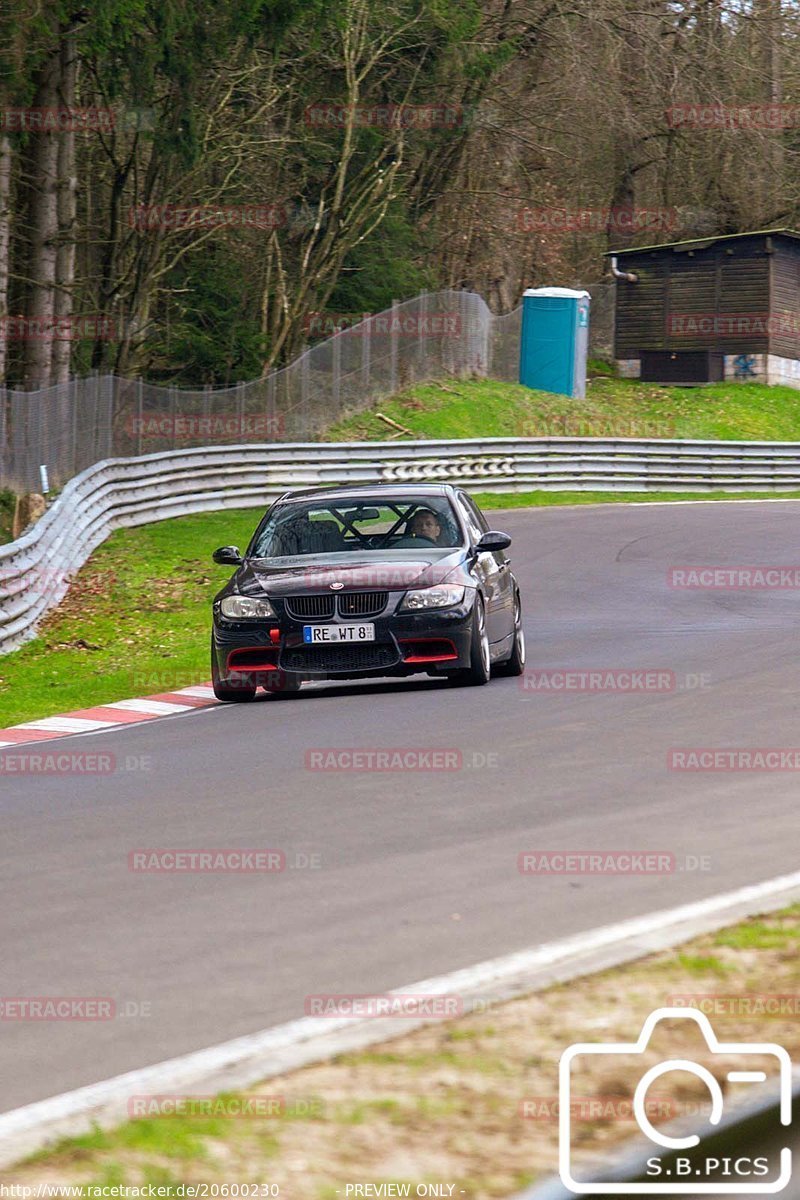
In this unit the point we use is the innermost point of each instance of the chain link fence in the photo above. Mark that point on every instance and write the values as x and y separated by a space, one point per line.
69 427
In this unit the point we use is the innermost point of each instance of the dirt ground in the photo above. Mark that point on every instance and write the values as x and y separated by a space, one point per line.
468 1105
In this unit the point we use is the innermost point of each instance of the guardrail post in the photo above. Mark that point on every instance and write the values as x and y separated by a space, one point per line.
75 390
272 416
110 381
366 351
94 424
240 411
422 332
305 388
4 442
393 349
337 370
206 409
140 413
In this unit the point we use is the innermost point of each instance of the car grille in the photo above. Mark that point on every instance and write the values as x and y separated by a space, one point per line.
320 607
347 604
362 604
339 658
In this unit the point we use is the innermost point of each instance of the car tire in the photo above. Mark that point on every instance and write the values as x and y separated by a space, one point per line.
222 690
479 670
515 663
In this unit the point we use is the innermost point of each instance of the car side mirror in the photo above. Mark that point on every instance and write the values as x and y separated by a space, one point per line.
227 556
493 541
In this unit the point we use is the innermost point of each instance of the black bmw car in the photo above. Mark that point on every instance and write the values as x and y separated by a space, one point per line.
354 582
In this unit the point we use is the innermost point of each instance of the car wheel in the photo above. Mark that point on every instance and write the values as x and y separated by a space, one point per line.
515 663
281 685
479 670
223 690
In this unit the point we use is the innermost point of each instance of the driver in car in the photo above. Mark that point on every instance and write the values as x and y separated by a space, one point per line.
425 523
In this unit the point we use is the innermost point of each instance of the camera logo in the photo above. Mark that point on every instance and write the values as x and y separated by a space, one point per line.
671 1170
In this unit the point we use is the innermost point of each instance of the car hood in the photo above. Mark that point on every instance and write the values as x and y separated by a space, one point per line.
255 578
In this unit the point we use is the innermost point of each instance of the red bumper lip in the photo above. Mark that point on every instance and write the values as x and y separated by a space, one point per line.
428 650
252 658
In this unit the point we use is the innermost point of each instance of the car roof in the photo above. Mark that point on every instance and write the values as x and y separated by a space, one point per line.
366 490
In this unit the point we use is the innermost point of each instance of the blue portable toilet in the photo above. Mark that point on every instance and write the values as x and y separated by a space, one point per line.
555 340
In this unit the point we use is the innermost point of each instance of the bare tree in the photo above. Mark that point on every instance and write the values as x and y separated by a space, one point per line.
65 211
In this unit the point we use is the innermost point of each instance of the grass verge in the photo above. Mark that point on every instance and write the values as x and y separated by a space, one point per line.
135 621
472 408
469 1102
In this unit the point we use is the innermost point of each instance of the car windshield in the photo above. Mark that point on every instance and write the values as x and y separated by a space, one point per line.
365 525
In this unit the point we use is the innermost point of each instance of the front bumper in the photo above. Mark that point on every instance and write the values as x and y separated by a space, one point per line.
406 643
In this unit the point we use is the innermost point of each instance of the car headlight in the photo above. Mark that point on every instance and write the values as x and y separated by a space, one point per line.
237 607
444 595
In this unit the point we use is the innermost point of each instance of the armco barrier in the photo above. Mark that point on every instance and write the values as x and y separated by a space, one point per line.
746 1133
35 570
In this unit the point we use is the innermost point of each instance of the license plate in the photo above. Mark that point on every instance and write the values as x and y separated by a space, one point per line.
338 633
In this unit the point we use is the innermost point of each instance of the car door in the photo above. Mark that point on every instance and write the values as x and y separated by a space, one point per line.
492 569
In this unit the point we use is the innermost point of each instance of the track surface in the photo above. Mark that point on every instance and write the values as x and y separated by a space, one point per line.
418 871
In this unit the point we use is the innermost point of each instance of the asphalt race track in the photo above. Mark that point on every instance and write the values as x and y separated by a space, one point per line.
417 871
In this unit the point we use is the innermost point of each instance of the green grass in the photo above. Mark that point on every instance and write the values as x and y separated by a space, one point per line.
759 935
702 964
500 500
461 408
136 620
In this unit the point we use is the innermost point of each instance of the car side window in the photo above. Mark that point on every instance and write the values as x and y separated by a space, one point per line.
473 528
482 523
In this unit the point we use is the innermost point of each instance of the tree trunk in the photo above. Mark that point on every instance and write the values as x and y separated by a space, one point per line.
5 244
768 18
42 169
65 204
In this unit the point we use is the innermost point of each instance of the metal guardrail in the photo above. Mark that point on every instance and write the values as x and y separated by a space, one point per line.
35 570
753 1130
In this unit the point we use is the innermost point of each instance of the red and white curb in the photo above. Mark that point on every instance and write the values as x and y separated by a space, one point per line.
109 716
